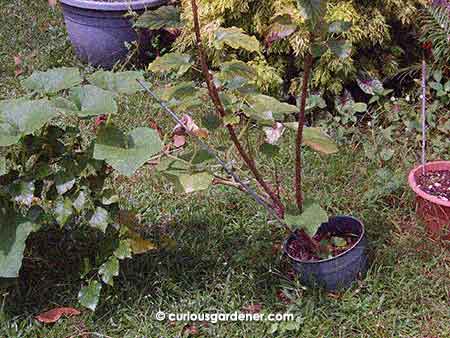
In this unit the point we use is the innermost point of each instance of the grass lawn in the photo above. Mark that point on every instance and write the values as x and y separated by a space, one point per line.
225 256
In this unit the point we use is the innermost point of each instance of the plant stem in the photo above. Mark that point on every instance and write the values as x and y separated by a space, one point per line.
424 113
301 122
214 95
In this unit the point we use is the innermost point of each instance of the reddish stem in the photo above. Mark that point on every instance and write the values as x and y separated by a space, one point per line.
301 122
214 95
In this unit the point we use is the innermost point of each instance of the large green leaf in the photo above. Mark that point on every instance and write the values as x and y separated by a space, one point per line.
92 101
63 211
109 270
22 117
263 107
162 17
89 295
316 139
14 231
100 219
310 220
341 48
53 80
123 250
312 9
236 38
22 191
233 69
189 183
3 167
119 82
179 91
172 62
126 153
282 26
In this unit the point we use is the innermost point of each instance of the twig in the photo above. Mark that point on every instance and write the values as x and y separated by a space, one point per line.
301 122
211 152
424 113
214 95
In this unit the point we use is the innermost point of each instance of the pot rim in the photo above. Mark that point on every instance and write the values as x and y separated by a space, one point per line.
413 183
363 233
123 5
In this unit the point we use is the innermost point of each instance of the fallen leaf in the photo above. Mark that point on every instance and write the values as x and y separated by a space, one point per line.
179 140
190 330
252 308
54 315
18 63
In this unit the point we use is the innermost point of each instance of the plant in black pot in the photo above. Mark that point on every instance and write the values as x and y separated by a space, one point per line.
101 29
328 252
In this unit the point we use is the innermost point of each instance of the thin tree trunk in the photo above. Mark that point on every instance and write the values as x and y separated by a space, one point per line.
299 141
214 94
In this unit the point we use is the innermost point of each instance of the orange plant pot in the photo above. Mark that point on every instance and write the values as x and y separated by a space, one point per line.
432 210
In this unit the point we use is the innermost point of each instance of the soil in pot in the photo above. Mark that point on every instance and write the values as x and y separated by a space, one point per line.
435 183
326 246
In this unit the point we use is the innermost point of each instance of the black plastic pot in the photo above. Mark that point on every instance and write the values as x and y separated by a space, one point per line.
339 272
99 30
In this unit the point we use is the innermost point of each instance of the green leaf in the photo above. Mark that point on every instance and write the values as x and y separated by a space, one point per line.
338 241
233 70
437 86
189 183
236 38
92 101
64 182
339 26
263 107
63 211
119 82
109 197
53 80
22 191
318 49
162 17
100 219
123 250
81 200
179 91
22 117
437 75
231 119
90 295
178 62
312 9
281 27
14 231
126 153
270 150
3 168
310 220
341 48
447 86
109 270
360 107
316 139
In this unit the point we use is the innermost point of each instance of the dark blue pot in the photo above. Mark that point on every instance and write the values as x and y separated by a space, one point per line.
339 272
99 31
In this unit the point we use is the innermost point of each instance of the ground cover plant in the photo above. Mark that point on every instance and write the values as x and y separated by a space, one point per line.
218 254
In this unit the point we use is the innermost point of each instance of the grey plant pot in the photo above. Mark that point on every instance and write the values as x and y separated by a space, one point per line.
99 30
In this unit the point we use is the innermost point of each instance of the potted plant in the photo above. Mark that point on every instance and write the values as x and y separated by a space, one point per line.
329 252
431 180
99 29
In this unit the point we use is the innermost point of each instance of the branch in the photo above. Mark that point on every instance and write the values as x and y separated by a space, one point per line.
301 122
214 95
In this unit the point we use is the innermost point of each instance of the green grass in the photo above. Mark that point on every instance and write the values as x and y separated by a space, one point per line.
226 254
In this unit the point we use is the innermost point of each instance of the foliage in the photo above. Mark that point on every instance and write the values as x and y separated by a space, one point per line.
242 108
52 176
372 26
435 31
